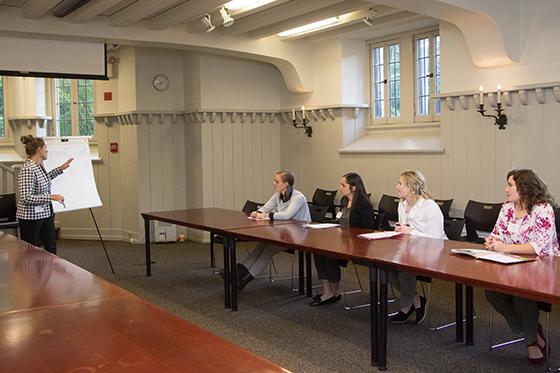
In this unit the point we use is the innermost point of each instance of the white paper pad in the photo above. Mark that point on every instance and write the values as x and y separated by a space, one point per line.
379 235
320 225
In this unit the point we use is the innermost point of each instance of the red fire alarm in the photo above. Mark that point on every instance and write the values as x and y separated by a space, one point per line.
108 96
114 147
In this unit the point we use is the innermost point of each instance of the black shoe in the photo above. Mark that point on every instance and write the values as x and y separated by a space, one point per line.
243 276
317 297
401 317
319 302
421 312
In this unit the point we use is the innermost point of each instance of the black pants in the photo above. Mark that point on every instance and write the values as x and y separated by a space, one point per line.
327 268
39 232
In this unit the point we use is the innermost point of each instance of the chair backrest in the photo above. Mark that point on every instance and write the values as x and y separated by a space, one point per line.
390 206
8 208
480 216
251 206
379 220
318 213
444 205
323 197
453 227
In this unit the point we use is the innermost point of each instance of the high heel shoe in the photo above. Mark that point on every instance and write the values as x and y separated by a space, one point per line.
546 345
538 361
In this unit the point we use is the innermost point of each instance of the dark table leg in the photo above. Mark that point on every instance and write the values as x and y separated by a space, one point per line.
148 248
227 276
308 274
301 273
382 344
458 313
374 315
212 254
470 316
233 274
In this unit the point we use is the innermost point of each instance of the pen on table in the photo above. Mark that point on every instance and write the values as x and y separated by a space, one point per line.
63 204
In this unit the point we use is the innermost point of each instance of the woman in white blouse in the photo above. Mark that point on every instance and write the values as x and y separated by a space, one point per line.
420 216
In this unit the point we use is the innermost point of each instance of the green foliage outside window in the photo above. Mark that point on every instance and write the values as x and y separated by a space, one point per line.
1 107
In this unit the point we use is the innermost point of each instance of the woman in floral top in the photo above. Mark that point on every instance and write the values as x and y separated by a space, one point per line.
526 225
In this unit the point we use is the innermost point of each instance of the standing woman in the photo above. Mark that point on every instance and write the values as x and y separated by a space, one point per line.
526 225
419 215
357 213
34 211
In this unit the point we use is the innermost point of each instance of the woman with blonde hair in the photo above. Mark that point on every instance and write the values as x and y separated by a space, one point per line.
419 215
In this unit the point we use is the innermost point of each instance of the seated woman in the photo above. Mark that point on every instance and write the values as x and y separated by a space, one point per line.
358 212
287 203
419 215
526 225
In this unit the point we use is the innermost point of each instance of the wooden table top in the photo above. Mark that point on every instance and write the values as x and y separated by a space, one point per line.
539 279
33 278
57 317
118 334
211 219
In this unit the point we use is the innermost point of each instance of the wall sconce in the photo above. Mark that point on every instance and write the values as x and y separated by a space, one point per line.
207 21
226 16
303 123
500 119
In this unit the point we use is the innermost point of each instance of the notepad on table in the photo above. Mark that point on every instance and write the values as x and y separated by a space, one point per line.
379 235
492 256
320 225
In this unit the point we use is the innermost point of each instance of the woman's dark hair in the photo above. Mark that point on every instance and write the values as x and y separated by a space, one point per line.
354 180
532 190
32 144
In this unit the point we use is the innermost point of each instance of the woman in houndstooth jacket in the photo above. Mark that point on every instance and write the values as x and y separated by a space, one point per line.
34 211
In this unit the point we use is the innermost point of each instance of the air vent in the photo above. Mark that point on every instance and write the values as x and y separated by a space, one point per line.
66 7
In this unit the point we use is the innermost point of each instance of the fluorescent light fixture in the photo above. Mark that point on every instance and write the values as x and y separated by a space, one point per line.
228 21
315 26
370 17
240 6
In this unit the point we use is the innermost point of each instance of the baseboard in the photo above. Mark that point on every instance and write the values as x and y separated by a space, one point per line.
91 234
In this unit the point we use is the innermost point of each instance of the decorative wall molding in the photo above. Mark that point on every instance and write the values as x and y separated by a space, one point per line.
314 114
38 120
522 92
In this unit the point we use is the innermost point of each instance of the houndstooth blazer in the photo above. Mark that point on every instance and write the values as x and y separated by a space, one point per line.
34 184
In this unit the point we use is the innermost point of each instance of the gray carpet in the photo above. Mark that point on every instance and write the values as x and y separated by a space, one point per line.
276 323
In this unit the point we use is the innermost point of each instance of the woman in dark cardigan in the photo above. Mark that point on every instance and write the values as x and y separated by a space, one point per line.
357 213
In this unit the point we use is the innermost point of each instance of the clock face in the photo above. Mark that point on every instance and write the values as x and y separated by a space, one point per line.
160 82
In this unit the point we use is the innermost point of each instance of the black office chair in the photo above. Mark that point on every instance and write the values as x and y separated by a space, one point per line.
453 228
445 206
318 213
390 206
323 197
248 207
480 216
8 209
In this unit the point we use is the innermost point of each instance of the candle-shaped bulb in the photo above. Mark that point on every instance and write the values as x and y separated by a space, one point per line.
303 112
481 95
499 94
293 114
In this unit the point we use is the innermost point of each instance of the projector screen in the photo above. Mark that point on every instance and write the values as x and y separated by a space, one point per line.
52 58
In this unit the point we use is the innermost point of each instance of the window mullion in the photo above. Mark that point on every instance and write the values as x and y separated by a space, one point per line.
75 110
387 101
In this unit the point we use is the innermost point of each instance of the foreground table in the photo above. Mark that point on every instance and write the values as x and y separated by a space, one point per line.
57 317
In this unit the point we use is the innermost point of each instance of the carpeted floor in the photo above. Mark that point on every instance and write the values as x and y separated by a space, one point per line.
276 323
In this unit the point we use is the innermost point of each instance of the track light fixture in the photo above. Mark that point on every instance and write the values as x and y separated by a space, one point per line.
372 14
207 21
228 21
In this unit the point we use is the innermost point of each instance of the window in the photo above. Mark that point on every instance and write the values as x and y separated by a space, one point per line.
386 81
427 48
74 107
1 106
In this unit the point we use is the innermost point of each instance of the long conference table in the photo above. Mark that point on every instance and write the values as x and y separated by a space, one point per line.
538 280
57 317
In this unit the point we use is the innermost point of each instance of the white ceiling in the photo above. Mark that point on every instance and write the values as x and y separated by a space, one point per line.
262 22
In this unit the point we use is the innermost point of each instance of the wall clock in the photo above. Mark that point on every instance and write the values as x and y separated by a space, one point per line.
160 82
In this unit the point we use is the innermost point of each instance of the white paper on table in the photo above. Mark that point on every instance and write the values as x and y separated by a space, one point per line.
320 225
492 256
379 235
252 218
